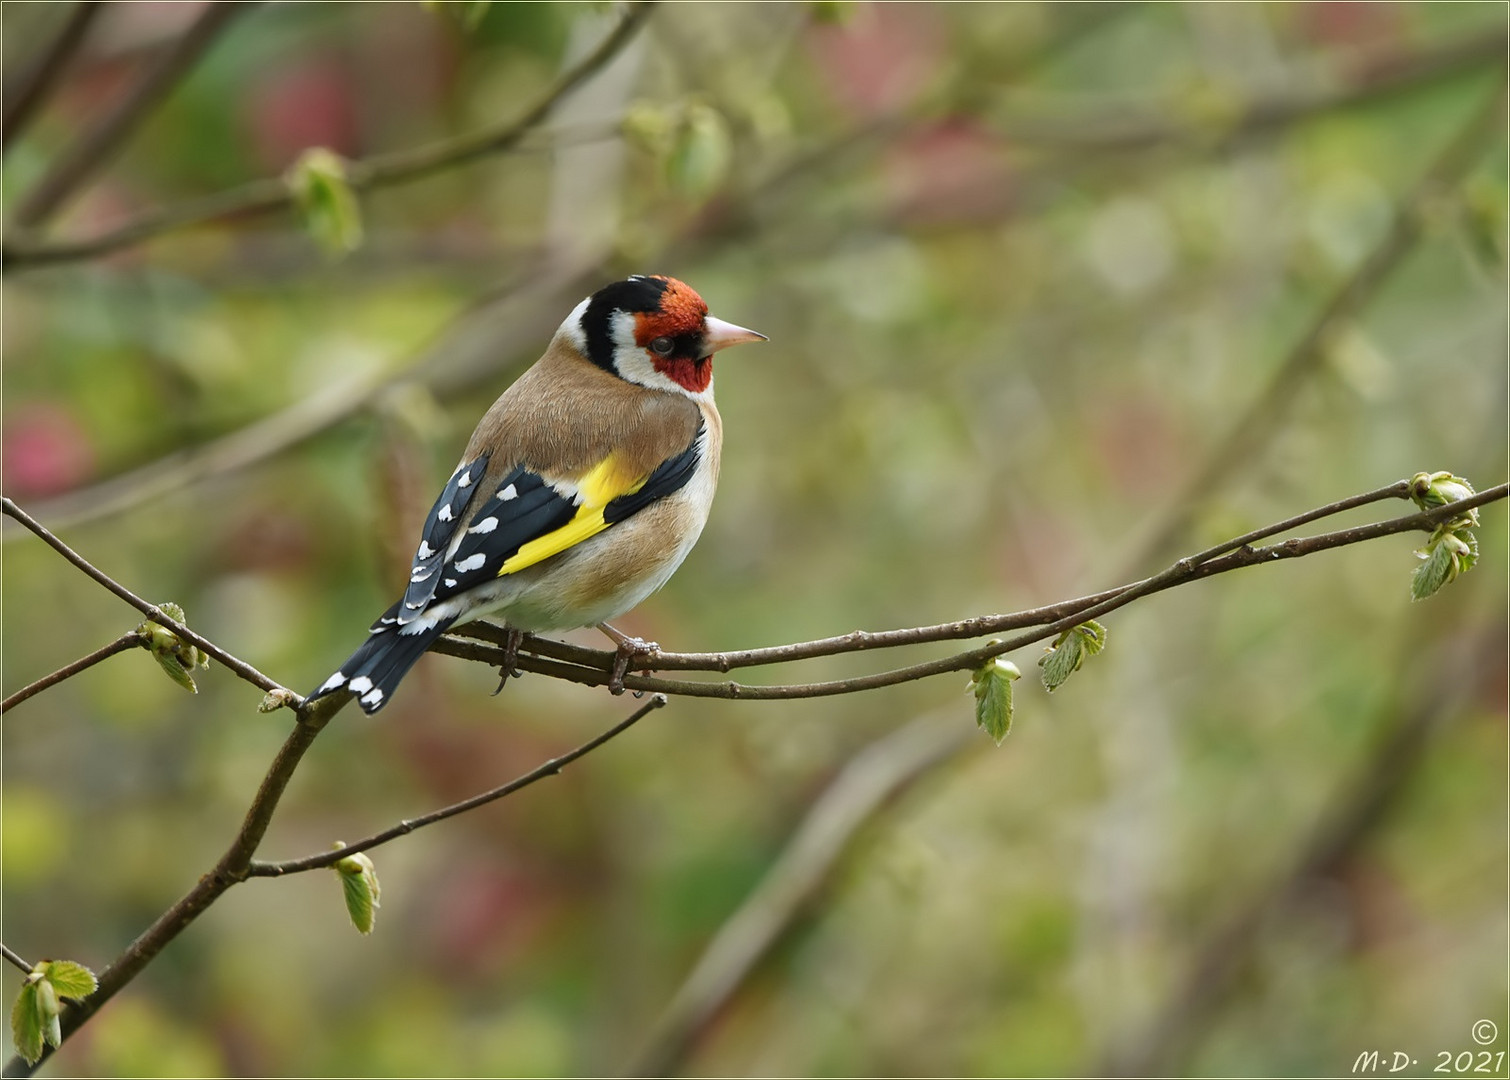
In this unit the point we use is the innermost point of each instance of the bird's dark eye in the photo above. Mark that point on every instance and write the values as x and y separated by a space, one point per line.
662 346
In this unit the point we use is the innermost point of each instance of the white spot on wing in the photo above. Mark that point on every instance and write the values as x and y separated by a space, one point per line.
420 574
424 550
450 583
466 479
331 683
360 685
510 492
472 563
445 513
486 525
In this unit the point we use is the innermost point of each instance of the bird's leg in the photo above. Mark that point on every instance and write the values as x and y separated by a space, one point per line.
626 650
509 668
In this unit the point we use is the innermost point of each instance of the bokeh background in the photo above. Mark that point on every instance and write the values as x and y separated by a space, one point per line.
1035 278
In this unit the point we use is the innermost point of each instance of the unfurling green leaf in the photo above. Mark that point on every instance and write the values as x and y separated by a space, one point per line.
701 153
35 1018
992 684
178 658
322 191
26 1022
1069 651
359 883
71 980
1431 490
1452 548
1433 573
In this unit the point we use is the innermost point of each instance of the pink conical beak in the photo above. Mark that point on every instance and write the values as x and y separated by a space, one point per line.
718 334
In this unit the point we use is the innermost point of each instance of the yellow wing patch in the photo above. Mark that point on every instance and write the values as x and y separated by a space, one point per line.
599 486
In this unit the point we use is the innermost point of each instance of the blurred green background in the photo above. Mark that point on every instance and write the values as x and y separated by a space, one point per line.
1024 268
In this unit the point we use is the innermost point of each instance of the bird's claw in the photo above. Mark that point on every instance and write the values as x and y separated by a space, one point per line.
626 651
509 668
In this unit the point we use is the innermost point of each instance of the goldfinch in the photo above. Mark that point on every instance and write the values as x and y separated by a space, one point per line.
581 491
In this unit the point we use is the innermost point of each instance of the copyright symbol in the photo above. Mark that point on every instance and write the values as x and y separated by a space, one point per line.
1484 1032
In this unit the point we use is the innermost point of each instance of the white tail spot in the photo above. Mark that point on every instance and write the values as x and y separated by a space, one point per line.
360 685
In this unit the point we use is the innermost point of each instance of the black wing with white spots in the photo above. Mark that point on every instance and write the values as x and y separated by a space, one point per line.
446 516
523 507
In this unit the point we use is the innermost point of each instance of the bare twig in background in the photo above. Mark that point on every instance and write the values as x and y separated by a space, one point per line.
301 420
869 782
121 644
384 170
553 767
93 148
1361 806
152 611
1082 128
9 954
27 90
1232 450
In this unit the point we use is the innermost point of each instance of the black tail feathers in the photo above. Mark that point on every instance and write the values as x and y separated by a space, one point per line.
374 671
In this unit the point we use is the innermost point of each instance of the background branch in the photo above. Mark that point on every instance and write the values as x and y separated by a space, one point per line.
95 147
28 89
1231 451
1357 810
381 170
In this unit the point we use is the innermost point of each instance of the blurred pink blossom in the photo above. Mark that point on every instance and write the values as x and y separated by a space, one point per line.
46 451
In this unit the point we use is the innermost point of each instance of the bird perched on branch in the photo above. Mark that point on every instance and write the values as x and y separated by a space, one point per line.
580 492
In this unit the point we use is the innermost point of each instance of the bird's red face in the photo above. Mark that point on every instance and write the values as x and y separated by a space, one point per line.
654 331
672 334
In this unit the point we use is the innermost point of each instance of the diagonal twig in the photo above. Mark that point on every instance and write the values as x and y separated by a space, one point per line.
10 954
553 767
1231 451
84 157
152 611
121 644
28 89
382 170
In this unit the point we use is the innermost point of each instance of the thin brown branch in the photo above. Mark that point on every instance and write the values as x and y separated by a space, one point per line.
230 870
594 666
552 767
383 170
84 157
28 89
10 955
152 611
869 782
121 644
1231 451
862 640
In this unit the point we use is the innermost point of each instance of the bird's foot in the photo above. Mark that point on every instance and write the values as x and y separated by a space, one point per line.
509 669
627 650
